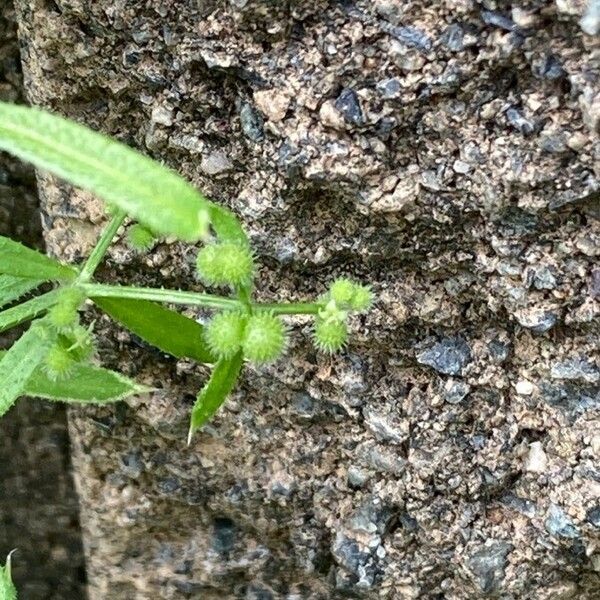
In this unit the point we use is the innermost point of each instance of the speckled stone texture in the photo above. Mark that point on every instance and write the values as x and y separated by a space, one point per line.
39 514
443 151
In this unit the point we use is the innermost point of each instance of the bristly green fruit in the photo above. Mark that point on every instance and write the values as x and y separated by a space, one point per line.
352 296
224 333
140 238
79 343
58 363
64 315
342 292
265 338
226 263
362 298
330 335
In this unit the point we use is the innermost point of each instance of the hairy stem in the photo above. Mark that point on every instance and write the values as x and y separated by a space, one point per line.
97 254
299 308
99 290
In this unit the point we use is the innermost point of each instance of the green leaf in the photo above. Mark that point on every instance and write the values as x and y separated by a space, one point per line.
144 189
21 261
86 384
12 288
28 310
166 329
7 589
215 392
17 365
226 225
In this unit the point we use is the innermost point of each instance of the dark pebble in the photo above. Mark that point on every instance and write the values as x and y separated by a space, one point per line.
558 524
522 505
169 485
455 391
573 399
408 522
412 37
252 123
389 88
349 105
258 593
348 554
544 278
576 368
133 464
496 19
224 534
372 513
519 122
453 37
594 284
499 350
593 516
555 144
448 356
548 67
488 564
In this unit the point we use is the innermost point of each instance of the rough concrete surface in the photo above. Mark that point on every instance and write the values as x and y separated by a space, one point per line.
39 515
445 152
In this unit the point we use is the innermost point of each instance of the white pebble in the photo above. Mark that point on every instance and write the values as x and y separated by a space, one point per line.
524 387
536 460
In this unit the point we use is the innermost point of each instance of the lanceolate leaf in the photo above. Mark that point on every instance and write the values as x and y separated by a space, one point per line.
144 189
28 310
215 392
17 365
86 384
7 589
12 288
21 261
226 225
166 329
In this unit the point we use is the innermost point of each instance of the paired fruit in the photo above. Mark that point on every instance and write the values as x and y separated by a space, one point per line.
262 337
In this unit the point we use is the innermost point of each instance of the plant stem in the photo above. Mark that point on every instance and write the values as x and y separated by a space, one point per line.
97 254
160 295
299 308
100 290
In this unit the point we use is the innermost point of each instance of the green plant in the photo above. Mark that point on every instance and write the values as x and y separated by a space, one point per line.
7 589
52 358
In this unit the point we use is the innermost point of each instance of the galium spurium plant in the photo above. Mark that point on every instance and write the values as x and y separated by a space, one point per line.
54 358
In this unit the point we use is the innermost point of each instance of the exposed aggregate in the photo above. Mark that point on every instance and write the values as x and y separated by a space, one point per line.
446 152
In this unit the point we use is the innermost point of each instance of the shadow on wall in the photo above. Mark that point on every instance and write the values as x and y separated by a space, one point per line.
38 506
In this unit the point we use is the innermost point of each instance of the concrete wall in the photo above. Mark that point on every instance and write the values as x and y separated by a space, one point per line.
444 152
